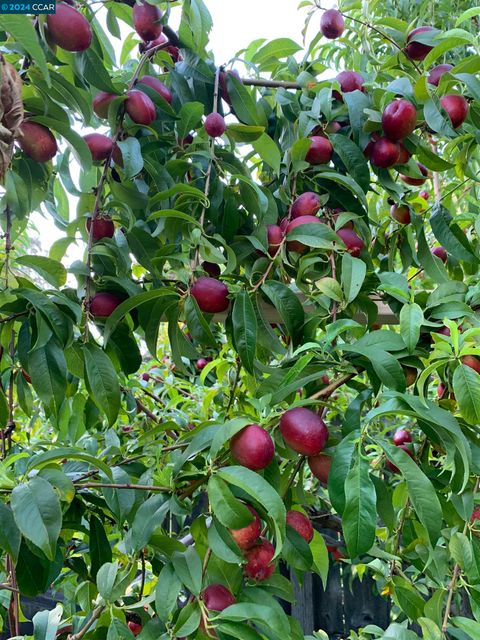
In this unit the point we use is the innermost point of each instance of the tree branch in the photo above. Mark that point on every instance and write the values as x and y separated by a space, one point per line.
96 613
133 487
327 391
8 242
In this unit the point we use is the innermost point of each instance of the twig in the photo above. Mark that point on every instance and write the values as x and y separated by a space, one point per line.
13 316
133 487
263 82
8 587
96 613
327 391
142 584
298 465
234 388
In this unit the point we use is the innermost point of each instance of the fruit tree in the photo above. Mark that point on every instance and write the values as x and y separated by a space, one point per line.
184 406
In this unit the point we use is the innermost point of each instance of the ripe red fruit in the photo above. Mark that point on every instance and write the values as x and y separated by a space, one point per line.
158 86
400 213
440 253
475 515
259 564
399 119
401 436
437 72
306 204
217 597
350 81
320 466
102 228
275 238
134 627
410 375
100 146
332 24
303 431
69 29
139 107
37 141
252 447
392 467
247 536
201 363
424 194
320 151
384 153
145 376
146 21
101 102
148 46
211 294
296 245
456 107
214 125
404 156
325 379
211 268
417 50
352 241
472 362
301 524
103 304
416 182
333 127
441 389
445 331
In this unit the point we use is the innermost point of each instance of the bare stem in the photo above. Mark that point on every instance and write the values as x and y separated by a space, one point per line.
96 613
327 391
132 487
8 242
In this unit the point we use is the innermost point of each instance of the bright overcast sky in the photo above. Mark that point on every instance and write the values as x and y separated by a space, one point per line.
235 25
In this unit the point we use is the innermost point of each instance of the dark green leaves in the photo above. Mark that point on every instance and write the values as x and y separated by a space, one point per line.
166 592
102 381
360 515
188 568
10 536
450 235
37 512
189 117
20 27
353 159
288 307
195 25
244 329
422 494
48 370
353 275
227 509
411 320
466 385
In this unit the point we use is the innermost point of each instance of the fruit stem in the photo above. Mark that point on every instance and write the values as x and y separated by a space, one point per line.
327 391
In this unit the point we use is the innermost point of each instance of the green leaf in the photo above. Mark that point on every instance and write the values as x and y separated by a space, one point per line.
45 623
407 598
131 156
311 234
245 132
360 515
189 118
188 567
118 630
436 119
149 516
288 306
20 27
269 152
466 386
195 26
422 494
184 189
461 550
38 514
470 627
106 580
197 324
341 462
10 537
225 432
188 620
331 288
353 276
243 102
228 510
52 271
173 213
102 381
276 49
99 546
411 320
263 493
259 614
345 181
321 561
433 266
43 459
167 592
450 235
384 364
352 157
48 370
244 322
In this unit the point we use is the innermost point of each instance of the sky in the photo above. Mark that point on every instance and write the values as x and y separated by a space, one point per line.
235 25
